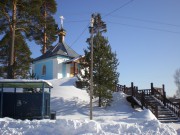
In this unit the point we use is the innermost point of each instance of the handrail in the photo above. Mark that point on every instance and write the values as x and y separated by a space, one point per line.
160 90
158 93
123 88
170 105
146 91
140 95
173 107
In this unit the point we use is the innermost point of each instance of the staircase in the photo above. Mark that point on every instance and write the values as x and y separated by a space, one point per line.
155 100
162 113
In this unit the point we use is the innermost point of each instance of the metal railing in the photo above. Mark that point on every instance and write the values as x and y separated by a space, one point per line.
158 93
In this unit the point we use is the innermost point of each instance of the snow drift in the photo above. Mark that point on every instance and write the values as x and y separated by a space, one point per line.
72 110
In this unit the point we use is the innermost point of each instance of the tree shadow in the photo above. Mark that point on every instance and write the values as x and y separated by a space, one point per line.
69 82
67 107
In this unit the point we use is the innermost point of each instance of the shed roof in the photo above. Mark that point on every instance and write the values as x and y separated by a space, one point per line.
13 83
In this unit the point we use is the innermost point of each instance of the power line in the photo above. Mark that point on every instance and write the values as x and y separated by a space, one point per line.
128 25
76 21
80 35
125 4
143 27
145 20
131 18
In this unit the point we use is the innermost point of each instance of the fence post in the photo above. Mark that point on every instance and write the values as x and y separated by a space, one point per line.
132 89
164 95
142 99
137 89
156 111
152 89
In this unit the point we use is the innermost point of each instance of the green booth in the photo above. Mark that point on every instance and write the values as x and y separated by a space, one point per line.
25 99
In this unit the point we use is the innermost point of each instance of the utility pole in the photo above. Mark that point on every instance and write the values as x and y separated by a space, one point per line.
91 68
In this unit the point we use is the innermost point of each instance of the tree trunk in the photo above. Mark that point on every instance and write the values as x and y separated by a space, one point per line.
45 36
11 59
100 100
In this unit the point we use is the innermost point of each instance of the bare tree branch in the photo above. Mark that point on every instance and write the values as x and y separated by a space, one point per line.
23 29
177 82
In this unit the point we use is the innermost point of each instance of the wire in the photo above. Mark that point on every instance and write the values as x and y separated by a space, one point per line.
80 35
125 4
69 47
144 20
77 21
143 27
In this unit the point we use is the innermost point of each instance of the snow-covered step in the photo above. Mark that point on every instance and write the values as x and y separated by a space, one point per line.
164 114
169 117
169 121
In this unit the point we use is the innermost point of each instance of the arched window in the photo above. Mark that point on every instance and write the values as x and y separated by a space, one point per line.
43 70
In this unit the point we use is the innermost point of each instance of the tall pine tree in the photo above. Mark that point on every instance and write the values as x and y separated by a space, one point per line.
45 32
15 17
22 58
105 73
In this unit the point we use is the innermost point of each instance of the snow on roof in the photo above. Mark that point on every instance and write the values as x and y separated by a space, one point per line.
22 83
74 59
61 49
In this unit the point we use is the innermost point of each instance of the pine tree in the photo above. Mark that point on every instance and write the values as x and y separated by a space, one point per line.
105 73
18 16
45 32
22 58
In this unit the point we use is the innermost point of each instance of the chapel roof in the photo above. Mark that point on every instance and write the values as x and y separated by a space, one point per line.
61 49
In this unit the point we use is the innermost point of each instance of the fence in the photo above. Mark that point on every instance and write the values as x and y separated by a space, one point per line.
158 93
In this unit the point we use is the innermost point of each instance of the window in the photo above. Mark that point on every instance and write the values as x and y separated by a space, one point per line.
43 70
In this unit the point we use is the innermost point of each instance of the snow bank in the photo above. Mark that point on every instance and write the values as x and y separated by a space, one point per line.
79 127
72 110
65 88
145 114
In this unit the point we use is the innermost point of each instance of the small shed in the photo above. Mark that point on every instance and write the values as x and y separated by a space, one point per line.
25 99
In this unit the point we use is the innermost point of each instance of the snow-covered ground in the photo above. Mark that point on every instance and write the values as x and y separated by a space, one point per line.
72 113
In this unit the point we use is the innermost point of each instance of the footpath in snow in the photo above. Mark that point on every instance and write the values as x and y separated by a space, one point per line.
72 110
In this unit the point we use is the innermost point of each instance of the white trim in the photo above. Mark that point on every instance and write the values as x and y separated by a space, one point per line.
54 68
68 70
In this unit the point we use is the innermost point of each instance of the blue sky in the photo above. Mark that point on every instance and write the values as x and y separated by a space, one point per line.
144 33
